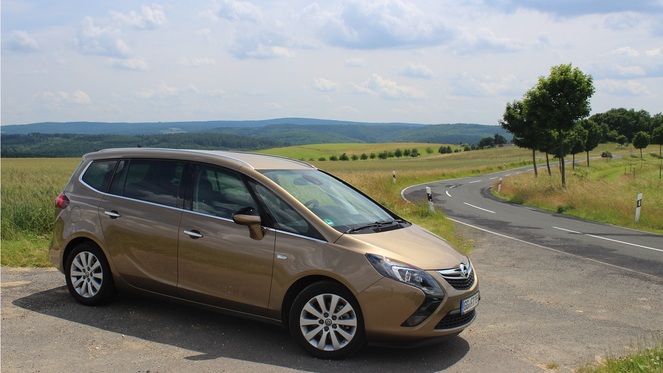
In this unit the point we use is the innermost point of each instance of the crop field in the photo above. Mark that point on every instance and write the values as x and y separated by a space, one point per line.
29 188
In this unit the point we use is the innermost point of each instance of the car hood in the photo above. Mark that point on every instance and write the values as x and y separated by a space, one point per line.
411 245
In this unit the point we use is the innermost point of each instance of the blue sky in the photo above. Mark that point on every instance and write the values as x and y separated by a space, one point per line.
356 60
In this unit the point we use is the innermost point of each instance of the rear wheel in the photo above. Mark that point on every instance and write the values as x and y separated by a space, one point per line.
88 275
325 320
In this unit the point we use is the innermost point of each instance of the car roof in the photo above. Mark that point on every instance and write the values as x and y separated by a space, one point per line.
239 159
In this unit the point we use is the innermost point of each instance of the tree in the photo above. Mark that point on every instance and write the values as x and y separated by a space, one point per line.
594 135
558 101
486 142
524 132
398 153
621 140
641 141
500 140
625 122
576 141
657 133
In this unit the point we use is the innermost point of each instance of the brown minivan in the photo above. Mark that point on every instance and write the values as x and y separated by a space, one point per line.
259 236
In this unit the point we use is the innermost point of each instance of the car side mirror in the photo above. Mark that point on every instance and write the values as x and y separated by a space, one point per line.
248 216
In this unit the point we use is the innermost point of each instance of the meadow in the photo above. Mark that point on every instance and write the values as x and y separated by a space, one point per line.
606 191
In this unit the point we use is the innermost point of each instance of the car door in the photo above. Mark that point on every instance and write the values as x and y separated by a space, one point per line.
219 264
140 218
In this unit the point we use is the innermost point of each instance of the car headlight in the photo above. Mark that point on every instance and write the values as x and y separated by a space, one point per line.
407 274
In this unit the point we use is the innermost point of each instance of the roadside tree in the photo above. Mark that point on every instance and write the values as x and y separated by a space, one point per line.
525 135
594 136
657 132
558 101
641 141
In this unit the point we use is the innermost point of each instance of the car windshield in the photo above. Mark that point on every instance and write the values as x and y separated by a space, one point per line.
333 201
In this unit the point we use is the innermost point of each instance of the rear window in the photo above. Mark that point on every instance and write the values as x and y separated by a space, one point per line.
99 174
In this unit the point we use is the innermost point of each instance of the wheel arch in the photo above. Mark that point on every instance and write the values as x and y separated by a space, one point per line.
297 288
78 241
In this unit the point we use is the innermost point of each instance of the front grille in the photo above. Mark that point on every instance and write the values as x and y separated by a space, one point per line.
461 283
454 320
461 277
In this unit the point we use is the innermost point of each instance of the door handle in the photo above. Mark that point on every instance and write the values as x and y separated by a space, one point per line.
193 234
113 214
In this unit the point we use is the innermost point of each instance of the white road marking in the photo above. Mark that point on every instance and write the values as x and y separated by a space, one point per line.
609 239
553 250
475 181
477 207
447 192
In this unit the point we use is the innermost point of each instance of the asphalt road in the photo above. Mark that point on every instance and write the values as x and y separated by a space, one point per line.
541 307
469 201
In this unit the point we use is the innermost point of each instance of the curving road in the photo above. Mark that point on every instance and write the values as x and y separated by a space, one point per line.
469 201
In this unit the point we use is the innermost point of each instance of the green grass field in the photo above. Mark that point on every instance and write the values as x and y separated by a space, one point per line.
606 191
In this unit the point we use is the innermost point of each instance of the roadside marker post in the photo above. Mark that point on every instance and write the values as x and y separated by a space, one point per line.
393 176
637 208
429 196
499 186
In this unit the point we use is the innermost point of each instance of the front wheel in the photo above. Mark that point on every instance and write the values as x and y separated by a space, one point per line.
325 320
88 275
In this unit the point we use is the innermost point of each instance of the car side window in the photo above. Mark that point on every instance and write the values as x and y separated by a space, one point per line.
219 192
99 173
151 180
284 216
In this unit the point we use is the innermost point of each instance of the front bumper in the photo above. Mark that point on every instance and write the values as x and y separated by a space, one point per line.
387 304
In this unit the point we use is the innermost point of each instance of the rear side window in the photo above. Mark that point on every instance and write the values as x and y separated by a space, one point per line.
151 180
99 174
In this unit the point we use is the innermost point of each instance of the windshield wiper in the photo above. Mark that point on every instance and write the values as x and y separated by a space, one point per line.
378 225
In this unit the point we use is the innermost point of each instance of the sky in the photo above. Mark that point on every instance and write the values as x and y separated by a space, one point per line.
425 62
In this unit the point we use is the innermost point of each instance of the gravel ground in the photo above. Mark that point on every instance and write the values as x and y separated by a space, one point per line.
539 309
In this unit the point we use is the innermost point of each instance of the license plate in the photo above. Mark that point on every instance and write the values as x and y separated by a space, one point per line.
468 304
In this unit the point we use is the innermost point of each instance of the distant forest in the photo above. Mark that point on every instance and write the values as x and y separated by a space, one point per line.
52 140
75 145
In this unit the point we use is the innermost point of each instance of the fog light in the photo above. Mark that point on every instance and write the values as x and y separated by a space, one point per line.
423 312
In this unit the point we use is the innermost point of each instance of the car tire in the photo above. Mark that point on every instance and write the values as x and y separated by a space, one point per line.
88 275
326 321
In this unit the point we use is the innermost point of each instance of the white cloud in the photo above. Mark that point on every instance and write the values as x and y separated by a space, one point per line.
382 24
163 90
325 85
573 8
415 70
622 87
204 61
654 52
355 62
149 18
101 40
76 97
385 88
138 64
487 86
626 51
484 39
240 11
21 41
